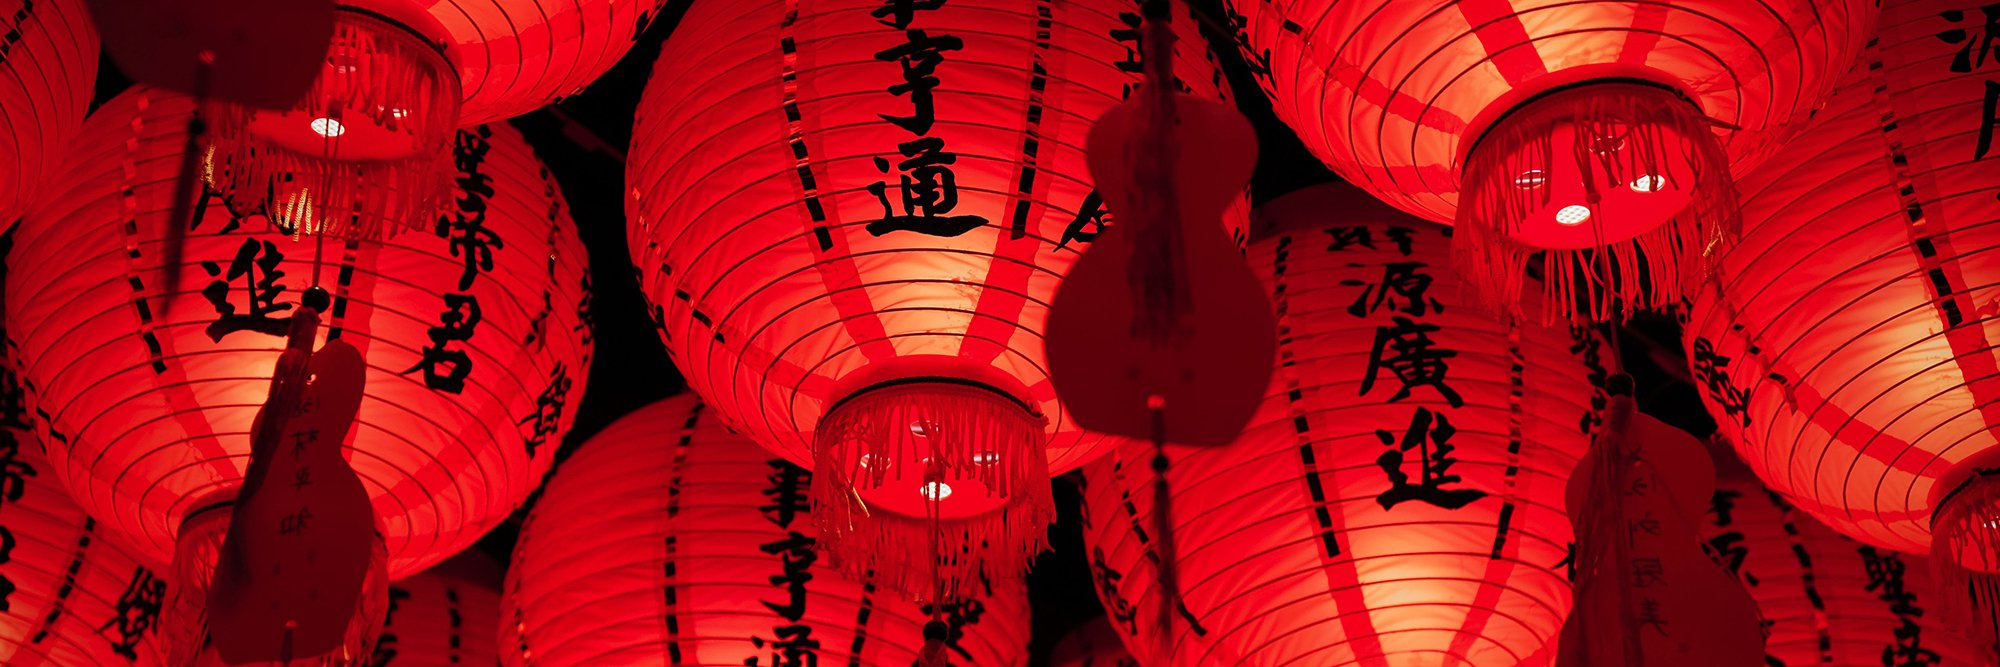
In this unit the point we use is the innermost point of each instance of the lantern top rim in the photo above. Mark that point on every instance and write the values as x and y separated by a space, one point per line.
1526 101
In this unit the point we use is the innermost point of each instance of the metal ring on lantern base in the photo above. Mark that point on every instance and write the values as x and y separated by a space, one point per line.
199 545
893 453
364 153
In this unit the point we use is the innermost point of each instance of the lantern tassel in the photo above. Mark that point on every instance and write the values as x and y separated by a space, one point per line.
1610 281
1965 560
388 78
970 433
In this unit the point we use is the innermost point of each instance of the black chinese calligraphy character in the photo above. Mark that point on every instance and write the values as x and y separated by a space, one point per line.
547 417
1652 616
1711 370
1648 572
958 616
256 263
1989 116
796 556
14 472
928 191
793 647
1974 49
1347 237
1090 221
786 494
1406 350
137 610
919 56
1429 435
446 368
6 556
385 644
901 12
1120 610
471 241
1728 550
1401 281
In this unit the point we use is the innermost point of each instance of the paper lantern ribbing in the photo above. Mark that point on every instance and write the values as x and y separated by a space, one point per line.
1843 346
447 615
68 595
48 65
1554 125
1398 498
850 218
367 149
1828 600
476 338
668 539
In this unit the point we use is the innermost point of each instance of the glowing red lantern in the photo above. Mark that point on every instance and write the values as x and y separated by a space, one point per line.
1398 497
1554 126
850 220
1845 344
368 147
668 539
448 615
1827 600
71 596
476 336
47 67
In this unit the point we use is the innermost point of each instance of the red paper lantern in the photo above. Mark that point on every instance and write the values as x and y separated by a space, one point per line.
448 615
476 338
71 596
1827 600
1398 498
850 219
1843 345
48 65
367 149
1562 125
668 539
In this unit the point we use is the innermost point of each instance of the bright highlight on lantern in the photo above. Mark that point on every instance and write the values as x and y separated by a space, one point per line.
1531 179
986 458
1572 215
935 490
1649 183
328 127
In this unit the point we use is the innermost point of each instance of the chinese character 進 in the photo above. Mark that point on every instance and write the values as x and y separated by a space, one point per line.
1407 351
256 263
1430 435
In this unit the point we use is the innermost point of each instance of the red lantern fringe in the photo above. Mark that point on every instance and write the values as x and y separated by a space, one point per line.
962 425
199 548
385 75
1645 272
1965 560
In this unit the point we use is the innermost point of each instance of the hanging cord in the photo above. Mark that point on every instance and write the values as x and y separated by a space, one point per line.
1156 270
936 631
187 187
1163 530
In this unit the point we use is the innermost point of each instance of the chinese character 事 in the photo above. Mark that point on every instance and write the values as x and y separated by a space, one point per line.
926 183
792 644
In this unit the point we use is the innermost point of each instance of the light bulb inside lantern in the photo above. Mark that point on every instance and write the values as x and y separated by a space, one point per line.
920 428
1531 179
986 458
1572 215
1608 144
328 127
1649 183
935 490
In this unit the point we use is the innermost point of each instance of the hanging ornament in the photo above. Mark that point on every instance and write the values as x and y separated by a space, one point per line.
47 65
1160 331
474 338
1646 592
1397 495
668 539
1826 599
1844 346
1599 135
861 284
